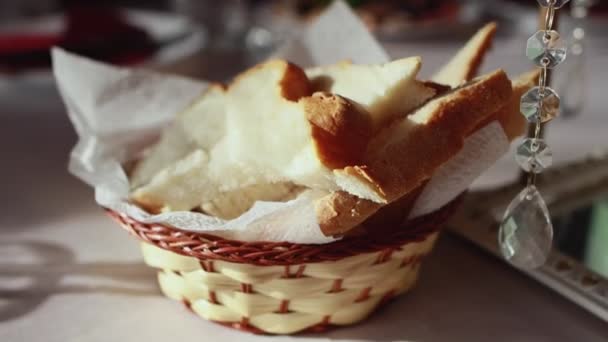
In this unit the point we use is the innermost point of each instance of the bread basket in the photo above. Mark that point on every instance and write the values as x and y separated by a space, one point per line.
285 288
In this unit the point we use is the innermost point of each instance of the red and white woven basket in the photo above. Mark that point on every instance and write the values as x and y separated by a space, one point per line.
284 288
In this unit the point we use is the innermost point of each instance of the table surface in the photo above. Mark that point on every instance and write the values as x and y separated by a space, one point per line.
67 273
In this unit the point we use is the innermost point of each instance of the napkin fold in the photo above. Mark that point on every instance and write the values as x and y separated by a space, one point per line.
118 112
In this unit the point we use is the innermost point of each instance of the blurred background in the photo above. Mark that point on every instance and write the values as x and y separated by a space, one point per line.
50 217
213 40
171 34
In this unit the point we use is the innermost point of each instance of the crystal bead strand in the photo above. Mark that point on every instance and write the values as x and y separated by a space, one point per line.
526 232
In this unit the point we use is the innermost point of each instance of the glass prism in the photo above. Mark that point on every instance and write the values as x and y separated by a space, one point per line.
546 49
556 4
526 232
536 106
533 155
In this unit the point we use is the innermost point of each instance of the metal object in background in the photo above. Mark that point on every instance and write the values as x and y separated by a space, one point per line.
581 278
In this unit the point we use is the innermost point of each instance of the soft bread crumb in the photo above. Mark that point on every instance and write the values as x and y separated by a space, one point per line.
509 116
234 203
268 138
407 152
385 90
465 64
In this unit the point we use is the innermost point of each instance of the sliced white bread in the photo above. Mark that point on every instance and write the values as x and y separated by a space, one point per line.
198 127
465 64
232 204
384 90
268 138
407 152
512 121
173 145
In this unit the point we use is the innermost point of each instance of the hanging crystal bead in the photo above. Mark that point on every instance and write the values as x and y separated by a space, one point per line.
526 231
537 106
546 49
556 3
533 155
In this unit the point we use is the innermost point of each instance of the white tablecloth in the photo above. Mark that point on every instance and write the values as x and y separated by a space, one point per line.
67 273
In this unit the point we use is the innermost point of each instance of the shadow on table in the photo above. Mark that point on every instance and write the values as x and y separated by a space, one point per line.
26 285
38 188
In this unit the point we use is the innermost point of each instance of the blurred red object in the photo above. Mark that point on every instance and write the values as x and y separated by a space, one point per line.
96 32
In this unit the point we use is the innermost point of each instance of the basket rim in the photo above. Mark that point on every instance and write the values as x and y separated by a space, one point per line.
205 246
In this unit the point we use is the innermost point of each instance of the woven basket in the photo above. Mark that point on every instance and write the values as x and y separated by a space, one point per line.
284 288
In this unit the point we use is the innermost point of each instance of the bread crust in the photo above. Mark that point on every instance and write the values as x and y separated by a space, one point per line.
395 166
397 163
338 212
513 123
385 90
340 128
402 166
293 84
465 64
338 132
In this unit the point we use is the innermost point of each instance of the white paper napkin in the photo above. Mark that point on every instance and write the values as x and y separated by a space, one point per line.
117 112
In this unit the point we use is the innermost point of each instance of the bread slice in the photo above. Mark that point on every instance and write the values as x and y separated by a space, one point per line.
204 121
384 90
465 64
339 212
406 153
512 121
184 135
232 204
173 145
267 138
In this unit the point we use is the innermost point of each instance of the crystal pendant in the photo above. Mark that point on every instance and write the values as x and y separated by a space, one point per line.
526 232
533 155
546 49
557 3
534 108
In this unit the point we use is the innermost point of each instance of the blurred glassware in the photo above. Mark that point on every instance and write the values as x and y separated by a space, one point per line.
271 26
571 84
398 20
225 22
240 33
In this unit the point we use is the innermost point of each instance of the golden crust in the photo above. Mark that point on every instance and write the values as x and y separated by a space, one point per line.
293 83
513 123
398 167
465 64
341 129
338 212
406 153
338 130
397 161
394 213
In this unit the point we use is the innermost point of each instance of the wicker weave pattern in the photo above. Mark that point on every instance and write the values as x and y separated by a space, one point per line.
288 299
282 287
210 247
